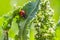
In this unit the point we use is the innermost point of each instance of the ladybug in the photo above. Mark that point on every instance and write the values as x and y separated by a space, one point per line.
23 14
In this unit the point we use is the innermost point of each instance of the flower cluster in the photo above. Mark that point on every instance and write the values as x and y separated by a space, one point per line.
44 23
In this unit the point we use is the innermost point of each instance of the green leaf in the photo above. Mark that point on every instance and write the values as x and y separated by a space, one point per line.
31 9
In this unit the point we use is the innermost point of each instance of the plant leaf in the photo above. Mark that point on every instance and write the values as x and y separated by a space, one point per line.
31 9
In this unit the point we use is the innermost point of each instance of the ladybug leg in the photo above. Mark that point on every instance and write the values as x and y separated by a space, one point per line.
24 16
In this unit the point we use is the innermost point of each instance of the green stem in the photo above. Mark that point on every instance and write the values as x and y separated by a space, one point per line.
5 35
20 33
20 30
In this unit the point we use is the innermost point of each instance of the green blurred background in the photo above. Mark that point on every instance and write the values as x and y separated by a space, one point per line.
7 5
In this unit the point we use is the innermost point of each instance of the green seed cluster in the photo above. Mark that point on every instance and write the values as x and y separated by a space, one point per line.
44 23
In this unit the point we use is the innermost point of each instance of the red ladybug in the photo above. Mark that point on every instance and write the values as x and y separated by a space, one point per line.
22 14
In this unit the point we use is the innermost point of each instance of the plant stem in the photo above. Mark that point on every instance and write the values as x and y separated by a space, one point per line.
5 35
